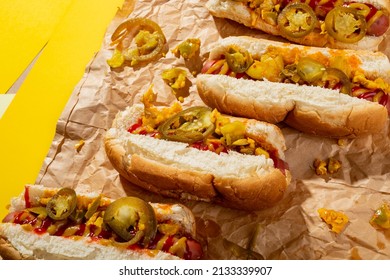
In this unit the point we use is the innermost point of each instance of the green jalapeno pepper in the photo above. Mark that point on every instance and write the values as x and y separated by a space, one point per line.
92 207
345 24
332 77
188 48
380 219
238 59
188 126
296 20
133 219
62 204
148 37
310 70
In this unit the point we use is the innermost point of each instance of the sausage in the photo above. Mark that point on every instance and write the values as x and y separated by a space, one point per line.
379 27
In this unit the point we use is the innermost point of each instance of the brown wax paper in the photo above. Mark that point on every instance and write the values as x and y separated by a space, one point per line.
290 230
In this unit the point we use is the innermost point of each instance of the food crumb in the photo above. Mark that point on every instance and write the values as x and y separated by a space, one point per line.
335 219
320 167
329 166
79 145
188 48
341 142
334 165
380 219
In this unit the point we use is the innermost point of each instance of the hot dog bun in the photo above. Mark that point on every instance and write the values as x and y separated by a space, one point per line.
310 109
17 241
239 12
175 170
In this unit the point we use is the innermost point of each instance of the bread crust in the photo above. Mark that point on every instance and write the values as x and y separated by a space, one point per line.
332 119
216 95
145 173
8 252
239 12
361 120
249 193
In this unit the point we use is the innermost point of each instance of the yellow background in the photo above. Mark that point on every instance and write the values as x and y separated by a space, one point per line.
70 35
25 29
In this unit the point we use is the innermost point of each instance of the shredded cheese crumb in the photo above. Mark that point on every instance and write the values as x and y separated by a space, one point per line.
377 83
320 167
79 145
341 142
336 220
329 166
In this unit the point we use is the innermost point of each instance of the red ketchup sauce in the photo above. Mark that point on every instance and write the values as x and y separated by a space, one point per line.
44 226
27 197
369 94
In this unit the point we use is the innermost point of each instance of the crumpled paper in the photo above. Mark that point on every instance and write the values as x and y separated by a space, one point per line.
290 230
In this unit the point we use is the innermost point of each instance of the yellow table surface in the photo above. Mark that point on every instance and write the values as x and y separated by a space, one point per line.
28 125
25 29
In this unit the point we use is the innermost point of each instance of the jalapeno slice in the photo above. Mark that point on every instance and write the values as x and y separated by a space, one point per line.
381 217
188 48
310 70
62 204
334 78
188 126
345 24
39 210
297 20
238 59
93 207
148 37
133 219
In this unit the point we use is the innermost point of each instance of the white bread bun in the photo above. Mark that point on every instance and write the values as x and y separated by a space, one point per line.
309 109
239 12
173 169
18 243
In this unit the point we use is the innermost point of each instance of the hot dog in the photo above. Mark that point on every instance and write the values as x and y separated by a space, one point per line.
199 154
335 93
57 223
357 24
